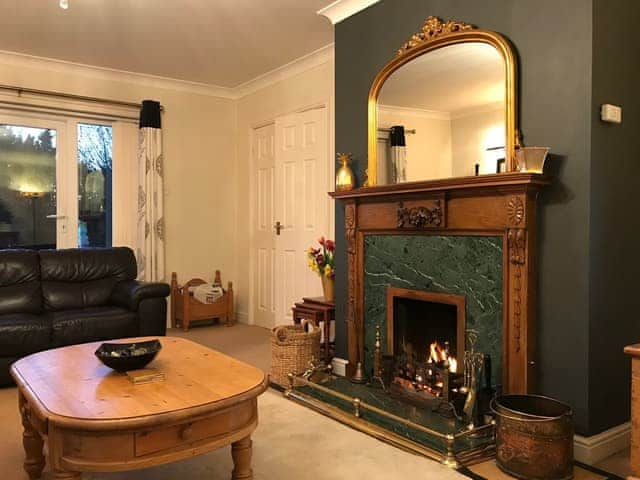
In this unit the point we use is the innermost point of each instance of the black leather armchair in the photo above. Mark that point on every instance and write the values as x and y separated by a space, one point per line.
54 298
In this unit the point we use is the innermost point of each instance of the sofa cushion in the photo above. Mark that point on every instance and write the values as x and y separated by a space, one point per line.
23 333
20 282
80 278
92 324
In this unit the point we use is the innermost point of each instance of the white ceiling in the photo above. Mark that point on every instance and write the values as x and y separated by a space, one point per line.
217 42
452 79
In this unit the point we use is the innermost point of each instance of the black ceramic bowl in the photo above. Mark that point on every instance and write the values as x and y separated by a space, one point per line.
123 357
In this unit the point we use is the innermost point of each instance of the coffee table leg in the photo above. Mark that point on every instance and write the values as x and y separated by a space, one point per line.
32 443
241 454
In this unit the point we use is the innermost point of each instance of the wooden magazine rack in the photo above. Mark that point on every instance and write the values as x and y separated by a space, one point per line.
186 309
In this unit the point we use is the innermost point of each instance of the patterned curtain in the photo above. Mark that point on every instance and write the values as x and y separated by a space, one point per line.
150 250
398 154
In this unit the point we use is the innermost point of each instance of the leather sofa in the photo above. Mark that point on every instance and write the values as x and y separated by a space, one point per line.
53 298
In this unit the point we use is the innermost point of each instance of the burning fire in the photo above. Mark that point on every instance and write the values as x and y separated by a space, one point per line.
437 354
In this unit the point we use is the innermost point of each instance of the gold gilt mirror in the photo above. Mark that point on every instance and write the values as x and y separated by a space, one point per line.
444 107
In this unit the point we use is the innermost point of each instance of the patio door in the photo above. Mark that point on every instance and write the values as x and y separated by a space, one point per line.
55 182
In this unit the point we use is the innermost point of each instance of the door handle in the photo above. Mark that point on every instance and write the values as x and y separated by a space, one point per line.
56 217
278 226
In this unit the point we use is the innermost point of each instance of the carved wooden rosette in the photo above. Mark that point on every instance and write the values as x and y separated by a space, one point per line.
493 205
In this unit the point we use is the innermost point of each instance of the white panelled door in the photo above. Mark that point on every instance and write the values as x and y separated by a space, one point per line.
264 242
301 204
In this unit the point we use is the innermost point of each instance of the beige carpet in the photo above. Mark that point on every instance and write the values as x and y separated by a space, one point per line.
291 441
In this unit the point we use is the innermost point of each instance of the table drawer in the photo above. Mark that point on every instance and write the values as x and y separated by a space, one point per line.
164 438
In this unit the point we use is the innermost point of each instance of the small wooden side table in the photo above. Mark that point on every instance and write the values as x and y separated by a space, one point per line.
317 309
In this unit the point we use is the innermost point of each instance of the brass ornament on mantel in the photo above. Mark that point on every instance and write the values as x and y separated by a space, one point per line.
345 179
433 28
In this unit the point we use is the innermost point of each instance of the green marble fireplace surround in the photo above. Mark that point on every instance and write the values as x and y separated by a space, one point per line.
469 265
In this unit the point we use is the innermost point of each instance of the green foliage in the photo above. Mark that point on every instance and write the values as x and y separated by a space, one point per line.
11 140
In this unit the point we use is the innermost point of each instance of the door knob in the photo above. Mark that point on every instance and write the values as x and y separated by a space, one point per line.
56 217
278 226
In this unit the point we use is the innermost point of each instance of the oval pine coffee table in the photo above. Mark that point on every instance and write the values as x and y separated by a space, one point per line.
96 420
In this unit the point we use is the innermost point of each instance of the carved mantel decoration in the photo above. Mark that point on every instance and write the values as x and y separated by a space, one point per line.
420 216
433 28
491 205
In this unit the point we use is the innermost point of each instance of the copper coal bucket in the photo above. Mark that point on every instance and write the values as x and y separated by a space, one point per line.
534 437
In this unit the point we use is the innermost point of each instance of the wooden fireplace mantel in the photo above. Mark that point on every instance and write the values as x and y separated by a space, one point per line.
498 205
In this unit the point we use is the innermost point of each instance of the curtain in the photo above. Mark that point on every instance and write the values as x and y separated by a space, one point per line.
150 248
398 154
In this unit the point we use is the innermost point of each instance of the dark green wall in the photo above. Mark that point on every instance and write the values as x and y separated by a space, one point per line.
554 42
615 224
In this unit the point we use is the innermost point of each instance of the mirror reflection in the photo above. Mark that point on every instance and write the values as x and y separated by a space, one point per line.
442 115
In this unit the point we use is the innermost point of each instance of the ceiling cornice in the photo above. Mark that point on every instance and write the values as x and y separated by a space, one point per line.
295 67
414 112
102 73
341 9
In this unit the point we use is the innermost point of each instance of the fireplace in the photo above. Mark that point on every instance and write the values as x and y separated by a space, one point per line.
417 320
446 262
426 342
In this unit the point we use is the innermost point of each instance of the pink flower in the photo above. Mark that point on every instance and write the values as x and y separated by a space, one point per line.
321 241
320 259
330 245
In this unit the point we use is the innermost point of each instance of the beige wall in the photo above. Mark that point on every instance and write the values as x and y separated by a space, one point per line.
312 87
429 149
199 158
471 135
207 155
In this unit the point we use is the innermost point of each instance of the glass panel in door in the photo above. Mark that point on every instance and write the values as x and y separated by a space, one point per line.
28 194
95 174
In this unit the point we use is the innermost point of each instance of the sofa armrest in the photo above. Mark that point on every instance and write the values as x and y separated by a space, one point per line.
130 293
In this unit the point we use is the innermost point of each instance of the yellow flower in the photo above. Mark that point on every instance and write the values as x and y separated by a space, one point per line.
327 270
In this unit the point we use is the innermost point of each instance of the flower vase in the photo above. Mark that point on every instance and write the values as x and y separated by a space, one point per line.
327 288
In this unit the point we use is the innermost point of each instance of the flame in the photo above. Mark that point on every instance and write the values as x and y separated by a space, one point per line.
438 354
453 365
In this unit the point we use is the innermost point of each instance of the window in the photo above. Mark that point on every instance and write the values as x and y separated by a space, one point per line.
27 186
95 184
59 186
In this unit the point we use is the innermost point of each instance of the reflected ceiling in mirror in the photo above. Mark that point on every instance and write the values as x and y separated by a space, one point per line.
445 107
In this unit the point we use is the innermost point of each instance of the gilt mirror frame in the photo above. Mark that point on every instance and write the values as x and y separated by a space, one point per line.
437 34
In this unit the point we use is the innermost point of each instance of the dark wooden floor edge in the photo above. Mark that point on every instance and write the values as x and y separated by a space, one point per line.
276 387
468 473
610 476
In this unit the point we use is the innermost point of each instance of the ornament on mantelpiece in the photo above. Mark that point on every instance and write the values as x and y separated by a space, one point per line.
345 179
531 159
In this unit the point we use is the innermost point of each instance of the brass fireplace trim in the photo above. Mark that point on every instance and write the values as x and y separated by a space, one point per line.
449 458
458 301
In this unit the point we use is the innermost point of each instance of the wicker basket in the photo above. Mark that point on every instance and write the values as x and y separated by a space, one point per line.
292 348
